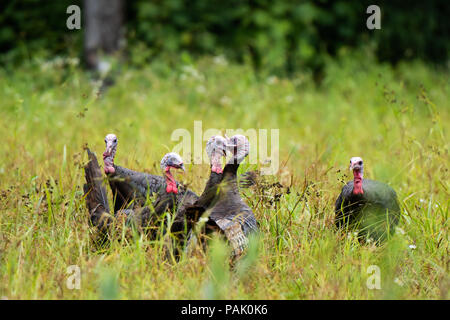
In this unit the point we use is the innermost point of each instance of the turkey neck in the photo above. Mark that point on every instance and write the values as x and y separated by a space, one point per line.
357 182
216 175
108 161
210 190
214 179
230 170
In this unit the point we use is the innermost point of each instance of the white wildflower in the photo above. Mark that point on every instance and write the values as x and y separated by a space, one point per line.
399 282
272 80
190 72
103 68
289 99
225 101
58 62
73 61
220 60
201 89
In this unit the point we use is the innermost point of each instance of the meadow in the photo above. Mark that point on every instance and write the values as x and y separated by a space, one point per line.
395 118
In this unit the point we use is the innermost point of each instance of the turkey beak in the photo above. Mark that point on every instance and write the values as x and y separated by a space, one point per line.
355 166
108 149
175 166
224 150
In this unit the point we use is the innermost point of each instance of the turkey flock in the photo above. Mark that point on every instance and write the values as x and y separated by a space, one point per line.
184 219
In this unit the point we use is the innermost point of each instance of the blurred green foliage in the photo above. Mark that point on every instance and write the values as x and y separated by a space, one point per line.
31 26
278 36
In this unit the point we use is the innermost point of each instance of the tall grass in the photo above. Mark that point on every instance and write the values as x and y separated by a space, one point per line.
394 118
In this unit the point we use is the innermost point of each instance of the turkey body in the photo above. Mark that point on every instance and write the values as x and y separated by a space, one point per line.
230 207
209 197
228 213
165 202
128 185
374 213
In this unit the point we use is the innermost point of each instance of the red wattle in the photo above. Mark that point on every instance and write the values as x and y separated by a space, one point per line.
217 169
171 188
357 182
109 169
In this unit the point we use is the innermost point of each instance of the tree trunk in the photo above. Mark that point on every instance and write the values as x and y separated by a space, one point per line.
103 29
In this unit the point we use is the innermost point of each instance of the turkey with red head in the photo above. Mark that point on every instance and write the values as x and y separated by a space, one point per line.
370 207
226 212
170 198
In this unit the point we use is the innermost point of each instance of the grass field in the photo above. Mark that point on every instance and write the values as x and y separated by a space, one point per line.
396 119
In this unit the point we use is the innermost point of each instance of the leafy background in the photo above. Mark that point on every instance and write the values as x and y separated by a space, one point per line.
276 36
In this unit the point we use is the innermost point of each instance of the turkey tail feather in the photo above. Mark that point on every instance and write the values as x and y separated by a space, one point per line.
95 193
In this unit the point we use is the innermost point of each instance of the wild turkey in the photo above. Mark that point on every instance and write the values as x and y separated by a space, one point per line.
227 212
368 206
216 148
170 197
126 184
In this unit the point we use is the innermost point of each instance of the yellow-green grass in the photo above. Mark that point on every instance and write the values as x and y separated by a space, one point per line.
396 119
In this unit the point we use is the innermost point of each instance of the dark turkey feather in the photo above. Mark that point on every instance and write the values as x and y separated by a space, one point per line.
227 211
149 218
129 185
95 193
209 197
188 215
230 205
